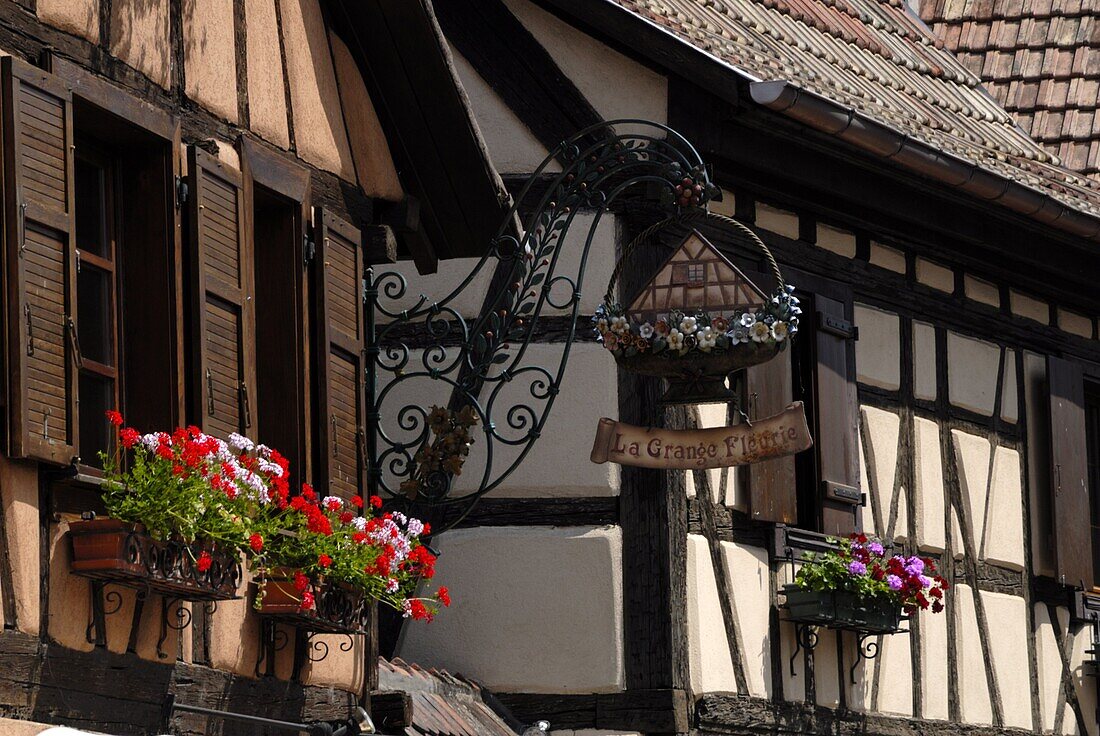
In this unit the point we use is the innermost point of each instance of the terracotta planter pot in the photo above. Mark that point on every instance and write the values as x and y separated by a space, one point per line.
337 609
114 551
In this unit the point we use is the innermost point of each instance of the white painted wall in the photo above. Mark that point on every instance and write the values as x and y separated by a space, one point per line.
536 609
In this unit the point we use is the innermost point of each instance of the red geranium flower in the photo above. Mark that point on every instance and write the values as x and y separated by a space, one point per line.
128 436
444 596
357 501
324 560
204 562
301 582
256 542
376 502
307 601
114 417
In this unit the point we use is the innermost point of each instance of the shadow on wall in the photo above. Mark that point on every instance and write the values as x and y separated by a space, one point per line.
140 35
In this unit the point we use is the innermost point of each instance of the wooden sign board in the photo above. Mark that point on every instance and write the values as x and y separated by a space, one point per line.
783 434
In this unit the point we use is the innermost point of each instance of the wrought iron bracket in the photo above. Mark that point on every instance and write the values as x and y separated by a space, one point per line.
413 343
174 616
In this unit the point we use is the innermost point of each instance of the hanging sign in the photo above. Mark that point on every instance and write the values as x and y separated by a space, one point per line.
783 434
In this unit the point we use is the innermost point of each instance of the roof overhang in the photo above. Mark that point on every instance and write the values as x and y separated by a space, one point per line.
457 201
667 50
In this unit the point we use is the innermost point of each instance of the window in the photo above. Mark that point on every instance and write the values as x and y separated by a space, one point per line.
90 223
691 274
97 298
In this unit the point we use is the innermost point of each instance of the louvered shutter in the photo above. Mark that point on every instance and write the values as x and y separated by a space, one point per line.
837 410
338 278
773 493
41 270
223 309
1069 474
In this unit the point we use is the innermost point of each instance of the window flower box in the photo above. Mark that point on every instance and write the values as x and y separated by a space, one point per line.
113 551
314 605
842 610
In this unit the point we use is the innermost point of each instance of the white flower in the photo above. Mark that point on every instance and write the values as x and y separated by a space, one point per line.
675 340
738 335
240 442
759 332
646 330
360 523
151 441
392 585
688 325
334 500
415 527
707 337
601 326
619 325
779 331
748 319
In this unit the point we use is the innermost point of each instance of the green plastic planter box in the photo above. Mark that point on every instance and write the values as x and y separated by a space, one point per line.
842 610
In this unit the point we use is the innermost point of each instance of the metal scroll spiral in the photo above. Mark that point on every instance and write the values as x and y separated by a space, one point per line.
484 362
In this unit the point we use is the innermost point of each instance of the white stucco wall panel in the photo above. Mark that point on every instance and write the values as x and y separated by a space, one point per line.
776 220
836 240
972 459
974 703
890 675
19 483
140 36
438 286
886 257
709 659
1004 536
826 669
617 86
1049 661
930 500
935 674
1010 391
513 148
982 291
736 494
1008 626
935 275
972 373
266 85
1084 681
558 464
880 430
535 609
79 17
924 361
319 131
878 350
749 582
794 683
210 60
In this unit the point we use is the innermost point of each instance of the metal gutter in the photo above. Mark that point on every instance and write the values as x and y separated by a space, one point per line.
885 142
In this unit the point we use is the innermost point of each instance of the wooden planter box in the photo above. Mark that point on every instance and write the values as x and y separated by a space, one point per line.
113 551
842 610
337 609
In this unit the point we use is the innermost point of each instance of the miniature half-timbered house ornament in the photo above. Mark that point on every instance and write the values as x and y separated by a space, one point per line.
699 319
696 277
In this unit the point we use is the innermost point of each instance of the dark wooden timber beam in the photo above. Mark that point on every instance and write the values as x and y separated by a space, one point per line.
517 67
541 512
647 711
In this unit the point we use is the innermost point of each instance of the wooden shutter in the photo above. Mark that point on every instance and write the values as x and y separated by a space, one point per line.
223 361
837 410
772 486
1069 473
41 263
338 279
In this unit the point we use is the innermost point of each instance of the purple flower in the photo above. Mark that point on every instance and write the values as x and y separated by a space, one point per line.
876 549
925 581
857 568
914 566
894 582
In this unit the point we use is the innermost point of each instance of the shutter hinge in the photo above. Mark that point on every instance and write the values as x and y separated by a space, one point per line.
841 328
309 247
181 191
843 493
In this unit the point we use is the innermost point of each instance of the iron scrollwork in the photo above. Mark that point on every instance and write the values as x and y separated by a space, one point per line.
484 363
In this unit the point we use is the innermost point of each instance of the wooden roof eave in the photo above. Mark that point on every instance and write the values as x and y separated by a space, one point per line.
440 156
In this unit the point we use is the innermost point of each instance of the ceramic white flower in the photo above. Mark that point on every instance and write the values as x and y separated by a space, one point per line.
738 335
759 332
748 319
675 340
601 326
707 337
619 325
779 331
688 325
646 330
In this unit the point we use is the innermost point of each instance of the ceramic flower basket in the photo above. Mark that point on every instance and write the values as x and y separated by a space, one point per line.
336 609
113 551
699 319
842 610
